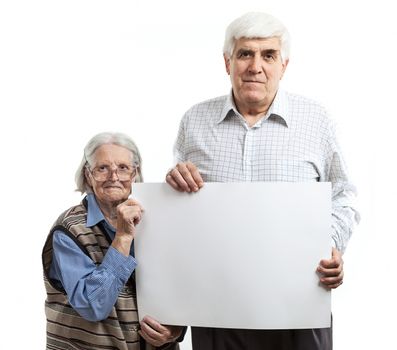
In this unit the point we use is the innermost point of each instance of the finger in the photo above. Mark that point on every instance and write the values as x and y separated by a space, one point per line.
335 285
195 174
172 183
127 204
174 331
335 260
336 253
328 264
137 217
179 180
331 263
131 215
331 280
135 213
187 176
154 324
149 331
130 202
330 272
149 339
154 337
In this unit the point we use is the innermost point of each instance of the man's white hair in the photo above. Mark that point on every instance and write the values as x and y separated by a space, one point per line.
106 138
256 25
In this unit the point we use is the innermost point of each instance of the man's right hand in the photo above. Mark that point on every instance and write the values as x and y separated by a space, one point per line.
185 177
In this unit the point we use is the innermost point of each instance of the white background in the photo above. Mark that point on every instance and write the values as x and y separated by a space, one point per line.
71 69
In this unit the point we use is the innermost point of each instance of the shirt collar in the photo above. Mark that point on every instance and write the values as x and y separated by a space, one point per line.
228 108
278 108
94 214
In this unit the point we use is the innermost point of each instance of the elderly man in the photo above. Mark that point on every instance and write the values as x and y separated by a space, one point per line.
261 133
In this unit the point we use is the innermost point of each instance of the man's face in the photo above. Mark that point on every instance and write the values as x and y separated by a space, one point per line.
255 70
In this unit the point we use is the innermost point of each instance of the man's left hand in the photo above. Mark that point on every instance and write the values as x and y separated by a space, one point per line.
157 334
331 270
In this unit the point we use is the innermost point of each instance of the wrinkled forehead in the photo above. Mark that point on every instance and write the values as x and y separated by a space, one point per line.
112 154
270 43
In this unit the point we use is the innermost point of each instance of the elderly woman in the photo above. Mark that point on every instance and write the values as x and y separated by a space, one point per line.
88 258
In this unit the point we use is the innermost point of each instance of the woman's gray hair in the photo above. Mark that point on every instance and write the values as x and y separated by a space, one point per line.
106 138
256 25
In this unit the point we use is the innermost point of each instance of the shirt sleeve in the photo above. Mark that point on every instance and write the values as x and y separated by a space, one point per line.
179 147
92 290
344 212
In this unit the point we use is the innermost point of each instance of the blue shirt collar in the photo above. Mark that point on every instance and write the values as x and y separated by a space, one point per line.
94 213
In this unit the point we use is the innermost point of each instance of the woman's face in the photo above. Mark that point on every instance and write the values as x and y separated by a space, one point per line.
111 175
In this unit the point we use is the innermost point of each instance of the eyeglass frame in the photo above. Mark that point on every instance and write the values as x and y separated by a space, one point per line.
111 171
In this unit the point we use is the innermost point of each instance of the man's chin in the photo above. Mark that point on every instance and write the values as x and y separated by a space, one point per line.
254 98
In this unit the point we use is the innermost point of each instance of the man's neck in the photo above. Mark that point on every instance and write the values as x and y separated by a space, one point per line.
253 116
254 111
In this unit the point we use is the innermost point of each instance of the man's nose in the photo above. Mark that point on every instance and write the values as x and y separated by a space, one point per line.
255 66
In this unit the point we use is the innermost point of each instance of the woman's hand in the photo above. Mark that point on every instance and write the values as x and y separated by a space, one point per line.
129 214
157 334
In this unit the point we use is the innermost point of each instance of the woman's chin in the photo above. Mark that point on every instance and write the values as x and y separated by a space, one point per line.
116 195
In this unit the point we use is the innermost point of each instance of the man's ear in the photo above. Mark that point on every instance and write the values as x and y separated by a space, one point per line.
227 63
285 64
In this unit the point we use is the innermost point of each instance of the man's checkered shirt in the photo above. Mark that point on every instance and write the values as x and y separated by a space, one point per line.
295 141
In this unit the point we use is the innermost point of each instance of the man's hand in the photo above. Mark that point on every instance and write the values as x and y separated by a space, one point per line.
185 177
157 334
331 270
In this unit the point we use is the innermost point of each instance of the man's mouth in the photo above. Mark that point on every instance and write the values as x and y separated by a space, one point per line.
253 81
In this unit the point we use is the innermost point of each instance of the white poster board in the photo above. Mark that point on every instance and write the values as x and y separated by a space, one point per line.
236 255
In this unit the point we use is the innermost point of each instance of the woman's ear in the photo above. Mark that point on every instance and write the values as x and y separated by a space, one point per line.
87 177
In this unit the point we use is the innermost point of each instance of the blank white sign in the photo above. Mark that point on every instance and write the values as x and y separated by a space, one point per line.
234 255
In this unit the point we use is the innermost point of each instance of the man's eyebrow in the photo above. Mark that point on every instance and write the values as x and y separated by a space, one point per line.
248 49
272 51
242 49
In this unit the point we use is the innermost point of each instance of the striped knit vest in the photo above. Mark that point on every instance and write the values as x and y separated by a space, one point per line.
66 329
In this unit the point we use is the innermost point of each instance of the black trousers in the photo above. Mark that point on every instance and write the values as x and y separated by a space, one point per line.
248 339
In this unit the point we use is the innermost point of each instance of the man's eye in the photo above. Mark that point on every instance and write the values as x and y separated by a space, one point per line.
244 54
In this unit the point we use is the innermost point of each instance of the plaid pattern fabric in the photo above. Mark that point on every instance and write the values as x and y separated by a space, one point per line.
295 141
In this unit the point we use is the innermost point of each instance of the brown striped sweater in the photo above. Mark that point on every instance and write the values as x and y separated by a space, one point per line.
66 329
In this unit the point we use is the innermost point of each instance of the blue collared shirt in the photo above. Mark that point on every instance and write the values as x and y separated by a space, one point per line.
92 290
